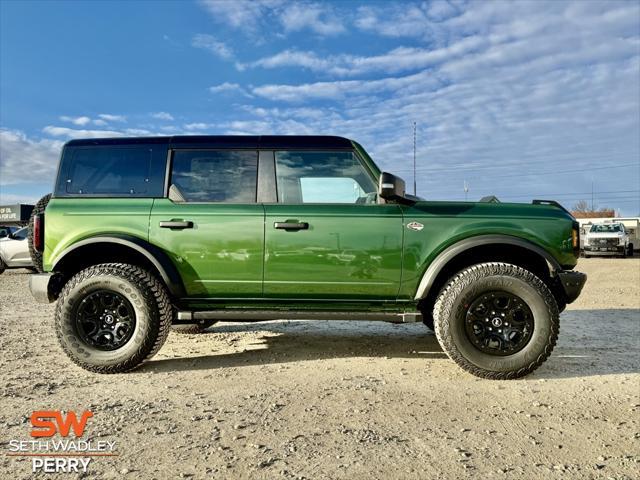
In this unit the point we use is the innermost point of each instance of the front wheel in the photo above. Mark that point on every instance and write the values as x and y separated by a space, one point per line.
112 317
497 321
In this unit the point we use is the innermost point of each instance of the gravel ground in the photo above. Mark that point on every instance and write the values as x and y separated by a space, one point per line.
341 399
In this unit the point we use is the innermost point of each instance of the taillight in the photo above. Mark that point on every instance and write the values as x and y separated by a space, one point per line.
575 237
38 232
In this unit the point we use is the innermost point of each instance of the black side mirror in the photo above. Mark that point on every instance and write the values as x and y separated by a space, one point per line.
391 187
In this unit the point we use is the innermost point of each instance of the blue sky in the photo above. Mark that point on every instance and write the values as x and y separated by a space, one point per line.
519 99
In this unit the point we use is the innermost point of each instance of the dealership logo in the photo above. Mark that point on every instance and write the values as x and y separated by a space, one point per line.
57 445
44 426
415 226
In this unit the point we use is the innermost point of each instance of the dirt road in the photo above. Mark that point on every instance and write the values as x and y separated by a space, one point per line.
340 399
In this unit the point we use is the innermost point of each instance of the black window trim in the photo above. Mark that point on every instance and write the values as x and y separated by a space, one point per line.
169 172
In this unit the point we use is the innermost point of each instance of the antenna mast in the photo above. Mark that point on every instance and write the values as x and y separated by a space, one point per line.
414 158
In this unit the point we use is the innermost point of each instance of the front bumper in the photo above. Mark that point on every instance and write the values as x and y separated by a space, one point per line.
604 250
572 283
44 287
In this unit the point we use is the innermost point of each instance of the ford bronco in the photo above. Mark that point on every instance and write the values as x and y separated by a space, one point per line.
143 233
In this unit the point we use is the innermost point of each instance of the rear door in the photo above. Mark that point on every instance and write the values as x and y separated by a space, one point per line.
326 237
211 225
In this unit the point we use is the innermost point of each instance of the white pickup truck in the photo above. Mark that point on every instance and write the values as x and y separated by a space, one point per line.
608 239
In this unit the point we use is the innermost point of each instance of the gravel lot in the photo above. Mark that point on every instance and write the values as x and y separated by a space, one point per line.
341 399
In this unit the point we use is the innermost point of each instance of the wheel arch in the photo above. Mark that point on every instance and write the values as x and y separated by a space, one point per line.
485 248
121 249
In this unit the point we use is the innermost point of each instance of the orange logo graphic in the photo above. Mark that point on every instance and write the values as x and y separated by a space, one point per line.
46 423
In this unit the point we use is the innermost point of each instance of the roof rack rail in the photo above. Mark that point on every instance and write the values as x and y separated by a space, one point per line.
550 202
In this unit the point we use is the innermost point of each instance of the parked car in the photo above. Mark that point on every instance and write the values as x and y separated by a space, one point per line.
14 250
6 230
608 239
141 233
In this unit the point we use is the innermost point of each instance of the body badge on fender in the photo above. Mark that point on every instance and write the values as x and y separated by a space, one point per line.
415 226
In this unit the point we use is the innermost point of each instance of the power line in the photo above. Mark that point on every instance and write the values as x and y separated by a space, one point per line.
515 164
571 193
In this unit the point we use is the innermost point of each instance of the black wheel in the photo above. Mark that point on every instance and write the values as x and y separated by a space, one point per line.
112 317
630 250
36 257
497 321
199 327
3 266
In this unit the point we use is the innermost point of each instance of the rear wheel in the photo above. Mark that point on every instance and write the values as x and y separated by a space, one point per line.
112 317
497 321
36 257
3 266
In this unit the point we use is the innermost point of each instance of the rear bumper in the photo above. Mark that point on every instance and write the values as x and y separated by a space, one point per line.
42 287
572 283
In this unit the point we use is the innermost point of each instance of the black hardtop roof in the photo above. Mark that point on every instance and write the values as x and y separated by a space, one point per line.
225 141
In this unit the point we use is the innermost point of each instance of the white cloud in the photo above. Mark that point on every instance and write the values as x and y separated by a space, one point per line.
112 118
316 17
81 121
228 87
162 116
209 43
198 126
80 133
397 60
241 14
257 17
21 158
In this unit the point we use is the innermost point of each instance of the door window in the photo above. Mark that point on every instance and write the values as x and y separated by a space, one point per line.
322 177
223 176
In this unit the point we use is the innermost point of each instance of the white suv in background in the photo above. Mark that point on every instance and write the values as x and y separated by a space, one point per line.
14 250
607 239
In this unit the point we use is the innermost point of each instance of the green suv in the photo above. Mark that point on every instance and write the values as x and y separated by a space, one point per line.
143 233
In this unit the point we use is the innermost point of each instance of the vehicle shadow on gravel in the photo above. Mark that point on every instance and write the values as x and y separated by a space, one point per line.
294 341
585 347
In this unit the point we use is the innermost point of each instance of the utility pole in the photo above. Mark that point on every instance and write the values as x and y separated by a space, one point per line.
592 195
414 158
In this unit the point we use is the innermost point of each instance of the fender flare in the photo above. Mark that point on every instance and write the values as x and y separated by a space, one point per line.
436 266
158 258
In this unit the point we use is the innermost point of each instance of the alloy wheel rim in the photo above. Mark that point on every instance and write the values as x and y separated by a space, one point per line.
105 320
499 323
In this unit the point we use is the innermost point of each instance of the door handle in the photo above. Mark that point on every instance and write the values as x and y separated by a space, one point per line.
176 224
291 225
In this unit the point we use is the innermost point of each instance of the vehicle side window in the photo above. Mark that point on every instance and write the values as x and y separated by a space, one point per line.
322 177
21 234
227 176
109 171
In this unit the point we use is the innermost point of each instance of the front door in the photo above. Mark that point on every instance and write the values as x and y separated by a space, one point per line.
327 238
211 226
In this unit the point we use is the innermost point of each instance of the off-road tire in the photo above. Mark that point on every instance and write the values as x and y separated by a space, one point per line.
36 257
450 315
150 302
192 327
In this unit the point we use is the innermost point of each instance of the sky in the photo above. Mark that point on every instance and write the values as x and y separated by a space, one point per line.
522 100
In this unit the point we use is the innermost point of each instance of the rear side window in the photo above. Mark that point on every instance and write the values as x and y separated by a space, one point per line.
109 171
101 171
225 176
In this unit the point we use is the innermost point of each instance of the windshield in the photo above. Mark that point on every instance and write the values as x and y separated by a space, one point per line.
611 228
